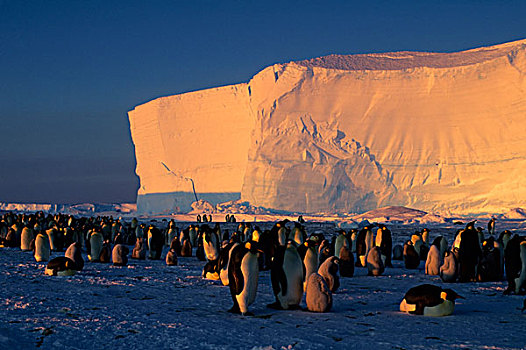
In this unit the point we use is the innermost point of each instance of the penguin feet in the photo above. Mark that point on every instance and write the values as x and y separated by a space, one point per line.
294 307
248 313
234 310
276 306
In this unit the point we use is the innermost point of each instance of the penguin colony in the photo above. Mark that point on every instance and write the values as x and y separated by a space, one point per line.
302 267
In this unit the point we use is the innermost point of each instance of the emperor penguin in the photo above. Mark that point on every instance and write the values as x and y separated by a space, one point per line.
318 295
61 266
411 257
398 252
449 269
433 261
96 242
353 234
375 264
171 256
42 247
324 251
192 234
504 238
298 234
119 255
329 271
491 226
520 282
139 251
26 237
155 243
211 245
224 261
384 242
75 254
286 275
105 252
243 272
341 240
282 236
513 262
52 234
309 257
425 236
364 242
186 248
488 268
171 234
441 243
346 262
469 253
429 300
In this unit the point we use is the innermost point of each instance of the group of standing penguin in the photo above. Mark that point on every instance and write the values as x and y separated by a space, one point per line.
473 256
299 264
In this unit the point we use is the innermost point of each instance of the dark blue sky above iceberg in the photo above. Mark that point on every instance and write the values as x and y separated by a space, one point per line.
70 70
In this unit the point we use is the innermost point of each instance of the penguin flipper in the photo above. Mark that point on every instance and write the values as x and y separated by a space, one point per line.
238 281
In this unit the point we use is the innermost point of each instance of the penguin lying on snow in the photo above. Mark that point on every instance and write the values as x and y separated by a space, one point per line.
61 266
429 300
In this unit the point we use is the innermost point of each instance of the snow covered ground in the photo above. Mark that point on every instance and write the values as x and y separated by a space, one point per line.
150 305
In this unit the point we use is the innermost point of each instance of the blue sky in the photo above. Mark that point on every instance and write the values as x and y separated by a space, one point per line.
70 70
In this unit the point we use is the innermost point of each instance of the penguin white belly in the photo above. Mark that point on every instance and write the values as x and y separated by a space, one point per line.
311 264
42 248
25 241
340 242
68 272
96 247
293 270
298 237
442 309
193 237
519 282
456 243
151 253
211 251
250 271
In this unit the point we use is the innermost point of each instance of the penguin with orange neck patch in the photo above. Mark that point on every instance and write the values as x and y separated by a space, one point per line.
429 300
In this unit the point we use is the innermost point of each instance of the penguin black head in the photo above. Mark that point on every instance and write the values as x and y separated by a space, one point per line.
253 247
450 294
310 243
471 225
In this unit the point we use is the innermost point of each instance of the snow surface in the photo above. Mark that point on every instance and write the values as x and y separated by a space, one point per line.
443 132
151 305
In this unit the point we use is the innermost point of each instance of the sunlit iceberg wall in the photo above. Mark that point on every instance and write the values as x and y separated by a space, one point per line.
437 131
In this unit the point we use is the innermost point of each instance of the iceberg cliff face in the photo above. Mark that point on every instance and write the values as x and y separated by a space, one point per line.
436 131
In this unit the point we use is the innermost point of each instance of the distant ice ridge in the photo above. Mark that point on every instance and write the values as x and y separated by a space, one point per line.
443 132
73 209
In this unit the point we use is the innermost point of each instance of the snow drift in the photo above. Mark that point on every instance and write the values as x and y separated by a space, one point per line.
443 132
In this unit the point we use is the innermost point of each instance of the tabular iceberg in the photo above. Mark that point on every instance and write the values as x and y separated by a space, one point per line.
442 132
